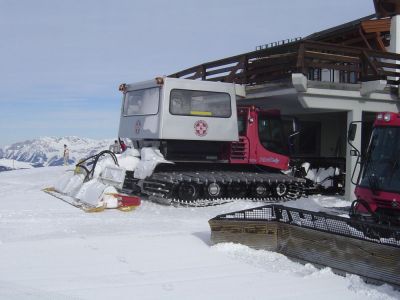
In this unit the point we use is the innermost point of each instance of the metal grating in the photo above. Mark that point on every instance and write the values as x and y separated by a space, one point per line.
319 221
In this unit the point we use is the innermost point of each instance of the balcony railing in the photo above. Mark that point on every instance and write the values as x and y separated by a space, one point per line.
313 59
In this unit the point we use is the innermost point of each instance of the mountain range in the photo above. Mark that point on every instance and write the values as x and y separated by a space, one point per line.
48 151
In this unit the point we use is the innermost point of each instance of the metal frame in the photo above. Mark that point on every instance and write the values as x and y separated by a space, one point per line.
318 221
345 245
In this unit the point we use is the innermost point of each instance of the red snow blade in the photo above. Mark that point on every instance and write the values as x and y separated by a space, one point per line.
127 202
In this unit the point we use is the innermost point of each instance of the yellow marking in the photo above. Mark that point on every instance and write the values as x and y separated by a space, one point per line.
201 113
126 208
94 209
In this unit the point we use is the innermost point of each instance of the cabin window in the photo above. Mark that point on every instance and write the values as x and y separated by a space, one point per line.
381 165
142 102
200 103
271 134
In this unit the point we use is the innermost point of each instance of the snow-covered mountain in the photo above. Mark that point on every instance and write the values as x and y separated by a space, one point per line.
48 151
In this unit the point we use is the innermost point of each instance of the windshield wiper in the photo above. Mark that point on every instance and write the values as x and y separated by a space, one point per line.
373 183
394 168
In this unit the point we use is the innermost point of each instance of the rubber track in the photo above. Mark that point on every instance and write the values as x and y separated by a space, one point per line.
160 186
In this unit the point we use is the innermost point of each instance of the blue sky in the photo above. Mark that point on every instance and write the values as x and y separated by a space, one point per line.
61 61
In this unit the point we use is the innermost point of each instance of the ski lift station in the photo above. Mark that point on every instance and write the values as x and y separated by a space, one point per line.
325 80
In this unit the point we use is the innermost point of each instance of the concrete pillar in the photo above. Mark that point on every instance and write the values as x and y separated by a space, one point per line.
352 115
395 34
394 42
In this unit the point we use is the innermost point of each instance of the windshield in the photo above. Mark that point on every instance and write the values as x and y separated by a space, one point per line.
142 102
271 134
381 169
200 103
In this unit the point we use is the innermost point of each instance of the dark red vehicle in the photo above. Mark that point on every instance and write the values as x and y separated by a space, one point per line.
261 139
378 183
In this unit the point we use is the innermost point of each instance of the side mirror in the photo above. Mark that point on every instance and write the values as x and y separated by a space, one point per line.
295 128
351 135
353 152
295 125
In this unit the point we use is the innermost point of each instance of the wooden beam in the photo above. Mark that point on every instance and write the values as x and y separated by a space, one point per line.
388 65
267 61
270 69
239 66
379 25
219 71
358 39
364 39
333 57
392 74
300 60
379 42
368 61
332 47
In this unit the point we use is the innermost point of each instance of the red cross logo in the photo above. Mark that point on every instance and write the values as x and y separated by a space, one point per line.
200 128
137 127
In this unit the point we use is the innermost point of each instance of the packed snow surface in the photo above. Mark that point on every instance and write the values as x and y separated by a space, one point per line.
14 164
52 250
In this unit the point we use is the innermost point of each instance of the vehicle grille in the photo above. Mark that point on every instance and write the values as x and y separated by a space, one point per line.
383 203
240 150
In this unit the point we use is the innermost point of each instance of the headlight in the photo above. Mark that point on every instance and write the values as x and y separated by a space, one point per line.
387 117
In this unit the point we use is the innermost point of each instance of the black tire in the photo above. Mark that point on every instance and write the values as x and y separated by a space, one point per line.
214 190
281 189
260 190
188 191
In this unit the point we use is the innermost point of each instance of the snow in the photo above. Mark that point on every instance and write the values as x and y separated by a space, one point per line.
319 202
150 158
98 191
14 164
321 175
52 250
48 151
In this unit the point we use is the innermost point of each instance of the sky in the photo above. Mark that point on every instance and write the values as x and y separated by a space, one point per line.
61 62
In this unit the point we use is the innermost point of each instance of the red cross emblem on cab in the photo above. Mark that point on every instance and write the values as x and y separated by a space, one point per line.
200 128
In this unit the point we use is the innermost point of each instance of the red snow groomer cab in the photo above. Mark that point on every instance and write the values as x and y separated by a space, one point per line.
378 183
261 139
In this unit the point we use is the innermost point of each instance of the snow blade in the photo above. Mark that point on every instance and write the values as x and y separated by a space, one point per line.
371 251
124 202
74 202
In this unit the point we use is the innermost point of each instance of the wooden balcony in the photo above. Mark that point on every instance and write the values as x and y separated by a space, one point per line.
316 60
